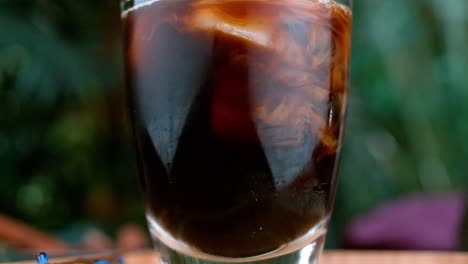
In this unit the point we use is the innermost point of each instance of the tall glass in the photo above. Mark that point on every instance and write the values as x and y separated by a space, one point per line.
237 109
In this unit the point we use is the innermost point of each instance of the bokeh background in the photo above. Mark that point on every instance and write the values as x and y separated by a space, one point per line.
66 161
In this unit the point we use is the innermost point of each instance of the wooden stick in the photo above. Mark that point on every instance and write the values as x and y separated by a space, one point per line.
23 236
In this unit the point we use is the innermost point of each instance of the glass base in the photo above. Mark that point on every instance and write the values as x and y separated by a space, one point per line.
308 255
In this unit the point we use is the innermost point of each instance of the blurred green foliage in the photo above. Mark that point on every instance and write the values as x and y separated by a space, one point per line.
64 143
408 111
65 155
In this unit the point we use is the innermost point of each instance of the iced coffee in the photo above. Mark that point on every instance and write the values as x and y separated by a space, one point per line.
237 109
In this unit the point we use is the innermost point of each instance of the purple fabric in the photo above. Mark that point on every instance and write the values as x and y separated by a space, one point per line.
418 222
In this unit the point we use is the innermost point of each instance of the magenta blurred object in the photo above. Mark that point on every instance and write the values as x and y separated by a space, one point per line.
417 222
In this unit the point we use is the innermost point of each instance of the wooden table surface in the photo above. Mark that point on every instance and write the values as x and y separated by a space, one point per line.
357 257
329 257
351 257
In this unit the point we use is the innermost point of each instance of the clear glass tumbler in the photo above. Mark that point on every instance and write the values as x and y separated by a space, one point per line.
237 108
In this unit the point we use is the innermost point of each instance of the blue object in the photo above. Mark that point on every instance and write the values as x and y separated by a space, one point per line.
120 260
42 258
101 262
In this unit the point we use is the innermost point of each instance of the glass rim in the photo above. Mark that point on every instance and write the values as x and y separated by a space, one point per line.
126 5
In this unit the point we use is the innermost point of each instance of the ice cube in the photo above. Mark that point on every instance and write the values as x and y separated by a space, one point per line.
247 27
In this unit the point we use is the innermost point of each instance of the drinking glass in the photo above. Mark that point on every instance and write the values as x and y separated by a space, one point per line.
237 110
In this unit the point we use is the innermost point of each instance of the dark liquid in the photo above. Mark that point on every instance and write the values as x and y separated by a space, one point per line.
237 109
